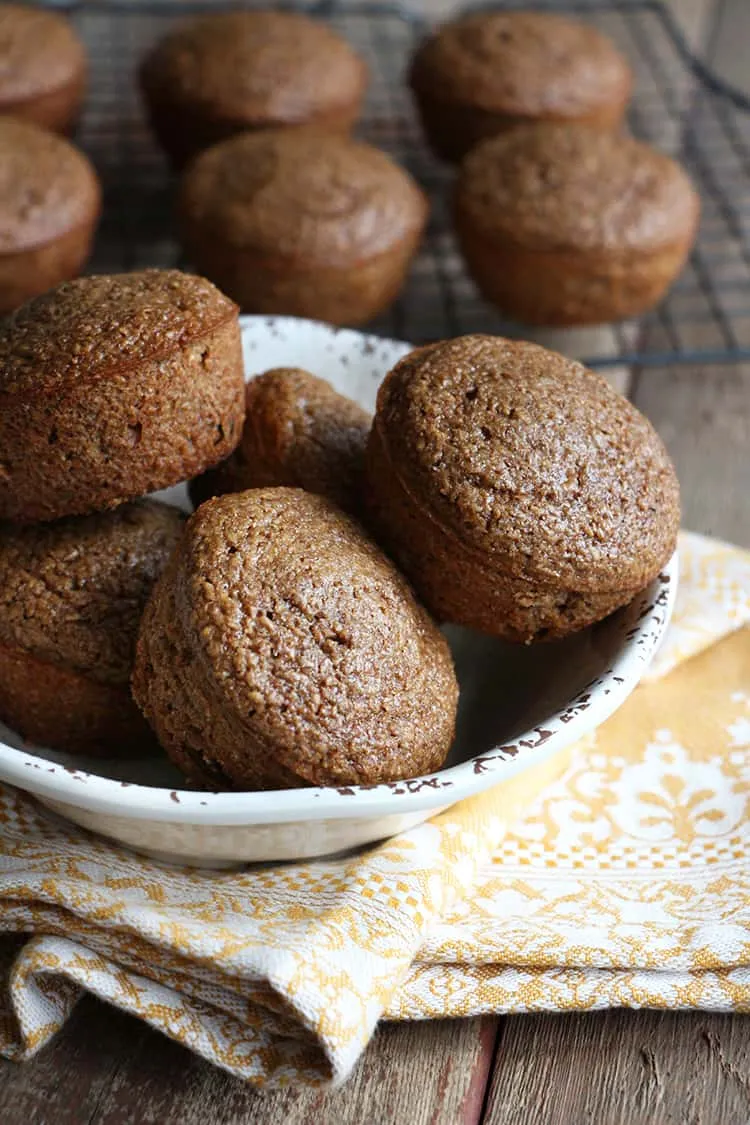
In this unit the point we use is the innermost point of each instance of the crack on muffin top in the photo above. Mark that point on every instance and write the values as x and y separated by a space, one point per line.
521 63
297 194
72 592
39 52
268 65
94 325
576 188
530 458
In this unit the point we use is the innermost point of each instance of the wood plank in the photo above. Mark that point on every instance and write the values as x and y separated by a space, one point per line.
704 417
729 43
65 1082
106 1068
613 1068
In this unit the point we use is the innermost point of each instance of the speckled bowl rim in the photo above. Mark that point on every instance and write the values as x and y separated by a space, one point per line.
643 623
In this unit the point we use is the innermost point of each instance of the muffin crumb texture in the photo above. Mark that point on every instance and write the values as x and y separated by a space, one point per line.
71 598
519 492
298 432
482 74
281 648
115 386
231 72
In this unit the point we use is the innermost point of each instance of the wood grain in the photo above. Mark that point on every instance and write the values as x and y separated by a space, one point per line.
107 1068
612 1068
64 1084
703 415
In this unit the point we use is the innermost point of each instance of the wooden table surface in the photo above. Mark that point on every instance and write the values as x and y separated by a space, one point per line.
610 1068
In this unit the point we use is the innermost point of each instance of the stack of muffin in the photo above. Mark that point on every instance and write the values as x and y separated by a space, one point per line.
287 633
280 646
277 643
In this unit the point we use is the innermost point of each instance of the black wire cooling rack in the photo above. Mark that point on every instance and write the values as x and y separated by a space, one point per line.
678 106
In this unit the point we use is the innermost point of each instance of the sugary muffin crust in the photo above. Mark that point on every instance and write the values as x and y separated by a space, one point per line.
281 648
72 592
298 432
71 597
519 492
115 386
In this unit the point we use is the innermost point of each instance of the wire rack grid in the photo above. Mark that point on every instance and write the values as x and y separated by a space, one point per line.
678 106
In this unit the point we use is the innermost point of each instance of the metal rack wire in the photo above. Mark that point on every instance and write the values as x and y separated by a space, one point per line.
678 106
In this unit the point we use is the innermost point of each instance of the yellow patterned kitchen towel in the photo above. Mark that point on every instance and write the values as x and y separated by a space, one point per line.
626 881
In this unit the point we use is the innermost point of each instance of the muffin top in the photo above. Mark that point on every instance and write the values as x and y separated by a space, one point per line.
256 67
534 63
571 186
299 194
87 327
298 431
530 458
39 51
72 592
47 187
313 637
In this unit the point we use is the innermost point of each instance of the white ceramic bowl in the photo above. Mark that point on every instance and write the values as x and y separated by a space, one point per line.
518 705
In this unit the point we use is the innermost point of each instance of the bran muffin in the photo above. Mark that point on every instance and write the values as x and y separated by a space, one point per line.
519 492
227 73
114 386
42 67
281 648
299 432
291 222
566 225
71 597
49 206
482 74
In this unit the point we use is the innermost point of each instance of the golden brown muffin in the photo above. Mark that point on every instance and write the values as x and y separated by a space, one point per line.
114 386
227 73
42 67
566 225
518 491
485 73
49 206
71 598
281 648
296 223
298 432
